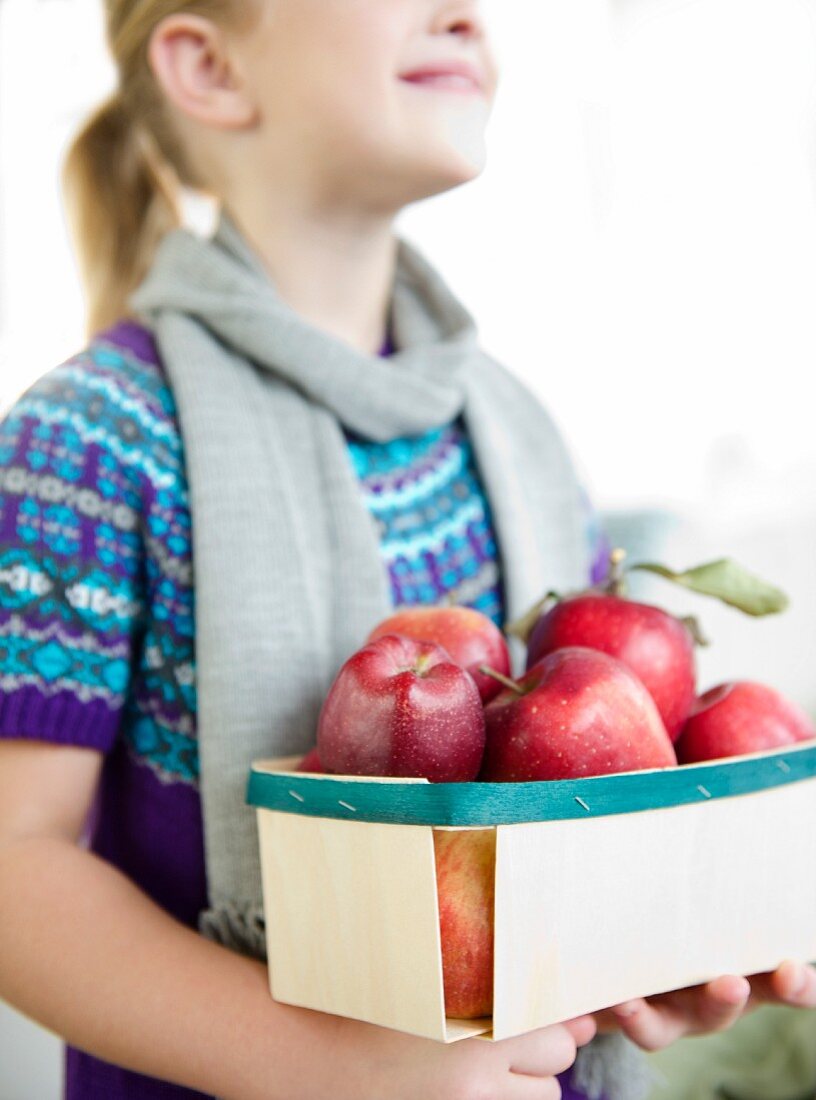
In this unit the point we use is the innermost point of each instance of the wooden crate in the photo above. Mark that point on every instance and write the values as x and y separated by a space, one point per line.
606 888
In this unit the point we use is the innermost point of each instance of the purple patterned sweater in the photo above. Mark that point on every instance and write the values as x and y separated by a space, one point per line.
97 604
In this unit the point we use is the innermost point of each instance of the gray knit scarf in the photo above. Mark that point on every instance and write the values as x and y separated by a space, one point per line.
289 577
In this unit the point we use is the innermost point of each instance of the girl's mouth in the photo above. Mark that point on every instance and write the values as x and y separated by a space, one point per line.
444 82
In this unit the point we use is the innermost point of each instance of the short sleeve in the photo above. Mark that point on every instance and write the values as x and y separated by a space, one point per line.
597 539
71 564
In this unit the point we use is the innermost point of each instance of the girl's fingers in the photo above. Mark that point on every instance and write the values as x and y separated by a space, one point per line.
521 1087
727 990
792 983
712 1006
542 1052
722 1002
661 1020
582 1029
651 1025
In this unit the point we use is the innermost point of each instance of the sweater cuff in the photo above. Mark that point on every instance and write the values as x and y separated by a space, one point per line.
61 718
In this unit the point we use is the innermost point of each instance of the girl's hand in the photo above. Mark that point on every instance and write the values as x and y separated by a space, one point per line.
655 1022
366 1062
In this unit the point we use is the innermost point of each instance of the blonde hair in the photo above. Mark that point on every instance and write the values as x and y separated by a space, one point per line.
123 172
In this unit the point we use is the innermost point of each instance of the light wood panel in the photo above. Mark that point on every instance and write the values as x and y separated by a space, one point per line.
594 912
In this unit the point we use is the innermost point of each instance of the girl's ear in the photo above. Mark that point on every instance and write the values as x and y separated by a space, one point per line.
199 74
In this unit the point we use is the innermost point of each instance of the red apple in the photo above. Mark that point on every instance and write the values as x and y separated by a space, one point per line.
577 712
657 646
402 708
311 762
471 638
741 717
465 879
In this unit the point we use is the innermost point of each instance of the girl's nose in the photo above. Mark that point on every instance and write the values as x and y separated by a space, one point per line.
462 17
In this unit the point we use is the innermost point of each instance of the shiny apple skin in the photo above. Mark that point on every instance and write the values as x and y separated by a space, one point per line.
582 713
465 862
400 707
311 762
471 638
739 717
657 646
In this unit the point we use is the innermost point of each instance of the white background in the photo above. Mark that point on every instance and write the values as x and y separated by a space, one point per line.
641 250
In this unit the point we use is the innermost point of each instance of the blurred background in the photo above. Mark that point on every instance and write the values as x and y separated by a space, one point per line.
641 250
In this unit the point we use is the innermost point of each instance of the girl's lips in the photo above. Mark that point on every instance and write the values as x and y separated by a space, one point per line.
445 82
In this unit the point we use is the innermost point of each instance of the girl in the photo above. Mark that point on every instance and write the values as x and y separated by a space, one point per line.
347 448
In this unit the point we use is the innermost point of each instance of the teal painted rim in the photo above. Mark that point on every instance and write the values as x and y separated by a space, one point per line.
512 803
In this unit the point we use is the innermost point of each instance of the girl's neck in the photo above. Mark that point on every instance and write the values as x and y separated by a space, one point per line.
336 274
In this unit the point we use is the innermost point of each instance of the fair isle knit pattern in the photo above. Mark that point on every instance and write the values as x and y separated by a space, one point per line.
95 570
435 531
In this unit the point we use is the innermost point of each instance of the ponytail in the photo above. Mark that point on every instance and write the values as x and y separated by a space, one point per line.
121 197
125 172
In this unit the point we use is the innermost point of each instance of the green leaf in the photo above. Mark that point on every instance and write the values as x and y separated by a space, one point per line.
727 581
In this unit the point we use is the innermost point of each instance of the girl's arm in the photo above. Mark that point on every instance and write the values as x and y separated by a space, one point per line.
84 952
88 955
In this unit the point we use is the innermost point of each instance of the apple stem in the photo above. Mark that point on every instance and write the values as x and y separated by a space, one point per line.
508 683
523 627
615 579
